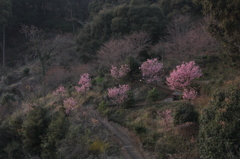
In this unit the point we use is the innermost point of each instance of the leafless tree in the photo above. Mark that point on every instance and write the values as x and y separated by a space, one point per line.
186 40
115 51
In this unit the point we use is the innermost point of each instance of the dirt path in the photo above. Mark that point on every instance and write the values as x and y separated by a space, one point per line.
131 145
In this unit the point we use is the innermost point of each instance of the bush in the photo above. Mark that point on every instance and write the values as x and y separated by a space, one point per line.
6 98
153 95
130 101
185 113
34 128
219 125
26 71
98 147
102 106
139 129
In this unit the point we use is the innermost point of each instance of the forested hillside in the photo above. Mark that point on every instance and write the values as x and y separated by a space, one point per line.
83 78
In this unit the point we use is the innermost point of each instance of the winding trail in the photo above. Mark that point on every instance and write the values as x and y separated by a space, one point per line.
130 144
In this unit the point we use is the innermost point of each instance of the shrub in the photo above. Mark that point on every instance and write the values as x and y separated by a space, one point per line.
6 98
102 106
153 95
140 129
55 132
34 128
185 113
69 104
119 94
26 71
219 125
98 147
84 82
130 102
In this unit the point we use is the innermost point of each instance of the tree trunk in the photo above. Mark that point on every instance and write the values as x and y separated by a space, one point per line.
3 46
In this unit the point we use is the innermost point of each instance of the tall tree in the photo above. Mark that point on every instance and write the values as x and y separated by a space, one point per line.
5 12
225 21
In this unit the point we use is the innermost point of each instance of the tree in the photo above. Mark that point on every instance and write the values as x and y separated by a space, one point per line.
185 40
121 72
5 12
151 70
69 104
183 75
34 129
219 125
189 94
115 51
84 82
225 23
119 94
36 37
116 22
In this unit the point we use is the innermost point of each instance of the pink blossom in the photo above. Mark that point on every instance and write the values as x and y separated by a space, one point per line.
151 70
121 72
84 82
69 104
189 94
183 75
119 95
60 91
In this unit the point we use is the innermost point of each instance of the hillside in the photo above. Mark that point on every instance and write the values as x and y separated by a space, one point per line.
119 79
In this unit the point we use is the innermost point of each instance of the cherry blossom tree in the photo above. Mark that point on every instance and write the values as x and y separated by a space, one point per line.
60 91
121 72
119 94
183 75
84 82
69 104
189 94
151 70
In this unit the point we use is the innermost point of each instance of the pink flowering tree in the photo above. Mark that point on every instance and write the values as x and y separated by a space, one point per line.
119 94
151 70
183 75
69 104
84 82
60 91
121 72
189 94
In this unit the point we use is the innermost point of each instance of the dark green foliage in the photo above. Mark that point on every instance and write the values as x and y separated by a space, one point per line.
26 71
133 65
34 129
55 132
117 22
153 95
225 24
139 129
219 125
130 101
172 8
185 113
5 11
6 98
102 107
149 142
10 138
